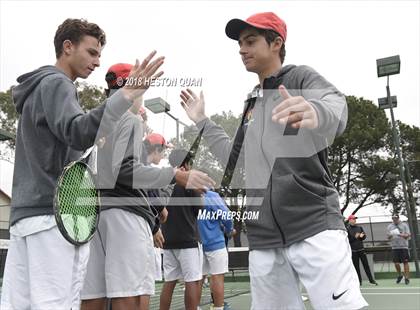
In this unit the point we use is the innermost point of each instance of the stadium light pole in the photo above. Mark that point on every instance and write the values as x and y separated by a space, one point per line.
386 67
158 105
411 196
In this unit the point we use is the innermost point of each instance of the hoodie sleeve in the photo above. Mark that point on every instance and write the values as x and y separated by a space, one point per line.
220 144
329 103
126 164
66 118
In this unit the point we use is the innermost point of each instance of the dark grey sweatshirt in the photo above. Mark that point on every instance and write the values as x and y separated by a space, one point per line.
52 131
286 171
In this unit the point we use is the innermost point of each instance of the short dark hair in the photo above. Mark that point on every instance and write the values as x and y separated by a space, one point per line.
270 36
180 157
74 30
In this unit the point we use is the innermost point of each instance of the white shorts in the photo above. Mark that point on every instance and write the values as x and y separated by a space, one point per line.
122 259
183 264
216 262
322 263
43 271
158 264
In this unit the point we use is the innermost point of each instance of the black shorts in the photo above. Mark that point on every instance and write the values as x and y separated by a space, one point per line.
400 255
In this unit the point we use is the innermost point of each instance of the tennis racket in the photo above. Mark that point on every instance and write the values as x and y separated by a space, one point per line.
76 200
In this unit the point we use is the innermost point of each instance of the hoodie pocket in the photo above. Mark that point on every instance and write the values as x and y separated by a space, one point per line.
299 205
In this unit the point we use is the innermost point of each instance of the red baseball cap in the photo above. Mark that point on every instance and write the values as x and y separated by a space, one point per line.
352 217
117 75
142 111
266 20
155 138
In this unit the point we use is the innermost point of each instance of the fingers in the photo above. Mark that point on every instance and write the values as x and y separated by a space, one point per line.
153 67
147 60
282 115
284 93
200 181
192 94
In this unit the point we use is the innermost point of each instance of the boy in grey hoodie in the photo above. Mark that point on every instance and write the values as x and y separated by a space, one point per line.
43 270
289 120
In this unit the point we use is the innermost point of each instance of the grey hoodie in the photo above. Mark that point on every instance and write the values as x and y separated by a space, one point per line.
52 131
287 178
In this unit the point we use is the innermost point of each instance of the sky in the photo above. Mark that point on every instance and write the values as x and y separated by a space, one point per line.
339 39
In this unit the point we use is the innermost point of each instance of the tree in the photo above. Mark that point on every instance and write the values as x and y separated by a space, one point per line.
8 116
361 159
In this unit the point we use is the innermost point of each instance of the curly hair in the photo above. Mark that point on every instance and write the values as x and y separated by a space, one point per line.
74 30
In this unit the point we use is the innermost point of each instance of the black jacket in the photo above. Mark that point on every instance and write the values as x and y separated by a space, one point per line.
355 243
180 230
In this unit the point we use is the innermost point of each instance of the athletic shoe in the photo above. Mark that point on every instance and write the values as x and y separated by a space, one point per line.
373 282
304 298
407 281
399 279
226 306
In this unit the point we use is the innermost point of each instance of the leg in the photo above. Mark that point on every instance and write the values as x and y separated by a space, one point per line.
406 270
191 262
217 287
166 295
274 283
191 295
218 265
355 259
94 304
324 266
398 268
131 303
365 263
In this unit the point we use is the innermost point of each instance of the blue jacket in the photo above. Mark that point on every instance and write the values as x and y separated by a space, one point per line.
213 223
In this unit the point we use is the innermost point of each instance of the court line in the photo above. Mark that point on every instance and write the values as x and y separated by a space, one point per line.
391 288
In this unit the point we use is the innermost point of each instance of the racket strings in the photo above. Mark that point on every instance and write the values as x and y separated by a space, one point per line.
78 202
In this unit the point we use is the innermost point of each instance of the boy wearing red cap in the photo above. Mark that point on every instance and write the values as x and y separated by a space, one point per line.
289 120
122 260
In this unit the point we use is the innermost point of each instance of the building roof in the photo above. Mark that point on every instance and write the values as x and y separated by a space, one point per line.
3 193
5 135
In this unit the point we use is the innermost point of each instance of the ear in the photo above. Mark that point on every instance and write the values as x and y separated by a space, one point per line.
277 44
67 47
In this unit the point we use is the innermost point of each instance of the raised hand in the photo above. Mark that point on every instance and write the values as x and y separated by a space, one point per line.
295 111
193 105
142 75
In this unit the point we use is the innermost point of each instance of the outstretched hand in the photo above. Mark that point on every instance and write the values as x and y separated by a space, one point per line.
142 75
295 111
194 179
193 105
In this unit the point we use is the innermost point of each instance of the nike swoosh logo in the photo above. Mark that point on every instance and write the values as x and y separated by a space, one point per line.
338 296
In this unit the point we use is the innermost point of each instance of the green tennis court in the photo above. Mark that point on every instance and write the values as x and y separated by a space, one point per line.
386 296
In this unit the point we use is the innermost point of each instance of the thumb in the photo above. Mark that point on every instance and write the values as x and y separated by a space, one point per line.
284 93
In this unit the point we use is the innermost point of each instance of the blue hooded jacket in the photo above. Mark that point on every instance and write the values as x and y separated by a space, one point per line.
213 223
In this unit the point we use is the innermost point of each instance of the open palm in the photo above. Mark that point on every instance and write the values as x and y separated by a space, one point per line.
193 105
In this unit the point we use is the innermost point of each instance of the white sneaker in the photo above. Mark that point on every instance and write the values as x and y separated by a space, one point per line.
304 298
